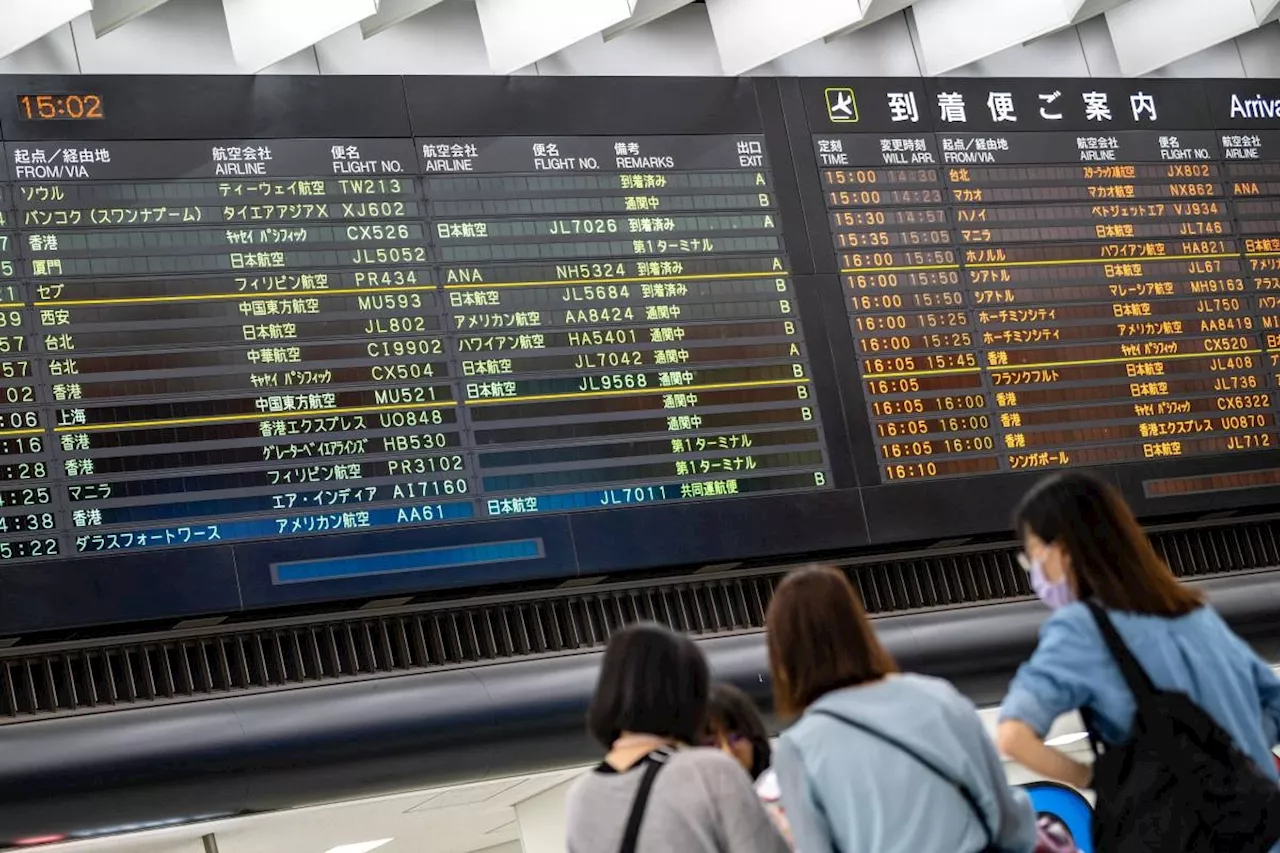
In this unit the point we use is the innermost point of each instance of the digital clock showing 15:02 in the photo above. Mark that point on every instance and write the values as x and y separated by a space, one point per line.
65 107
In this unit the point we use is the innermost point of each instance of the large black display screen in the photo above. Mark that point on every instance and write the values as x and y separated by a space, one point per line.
273 340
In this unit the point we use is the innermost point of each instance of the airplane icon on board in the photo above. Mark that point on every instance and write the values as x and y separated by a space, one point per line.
842 106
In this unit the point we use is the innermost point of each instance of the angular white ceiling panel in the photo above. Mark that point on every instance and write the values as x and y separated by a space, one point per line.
678 44
750 33
1093 8
1260 51
872 11
109 14
953 33
1220 60
1060 54
263 34
392 12
876 10
520 32
646 11
25 21
445 39
53 54
1099 52
1266 9
177 37
882 49
1150 34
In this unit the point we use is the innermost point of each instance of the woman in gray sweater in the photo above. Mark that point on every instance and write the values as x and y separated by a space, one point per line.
653 793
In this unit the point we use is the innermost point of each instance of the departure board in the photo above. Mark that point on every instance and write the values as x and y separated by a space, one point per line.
270 341
1040 276
236 339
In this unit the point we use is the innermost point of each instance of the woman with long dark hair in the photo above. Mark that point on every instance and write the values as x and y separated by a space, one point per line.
878 761
1081 543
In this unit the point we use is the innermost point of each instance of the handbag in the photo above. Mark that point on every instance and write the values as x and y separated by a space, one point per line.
1180 782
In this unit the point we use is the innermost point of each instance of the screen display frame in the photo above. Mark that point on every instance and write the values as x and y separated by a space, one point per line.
859 512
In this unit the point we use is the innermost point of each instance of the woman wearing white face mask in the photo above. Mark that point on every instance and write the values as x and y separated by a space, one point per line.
1082 544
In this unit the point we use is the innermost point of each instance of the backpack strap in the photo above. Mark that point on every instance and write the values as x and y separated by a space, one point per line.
655 761
960 787
1134 675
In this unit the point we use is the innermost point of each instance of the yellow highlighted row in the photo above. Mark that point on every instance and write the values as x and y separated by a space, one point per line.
1132 358
623 280
258 416
655 390
948 371
1120 360
6 433
1071 261
293 294
1057 263
900 269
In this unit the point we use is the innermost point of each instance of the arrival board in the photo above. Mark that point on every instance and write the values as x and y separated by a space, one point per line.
1047 275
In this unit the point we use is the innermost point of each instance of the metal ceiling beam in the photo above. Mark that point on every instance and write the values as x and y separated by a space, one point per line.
26 21
392 12
107 15
646 12
518 33
262 34
1150 34
750 33
954 33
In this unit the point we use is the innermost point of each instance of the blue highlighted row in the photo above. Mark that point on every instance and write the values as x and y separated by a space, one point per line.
91 542
605 498
424 559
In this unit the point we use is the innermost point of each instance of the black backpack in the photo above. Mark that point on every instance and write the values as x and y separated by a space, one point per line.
1181 783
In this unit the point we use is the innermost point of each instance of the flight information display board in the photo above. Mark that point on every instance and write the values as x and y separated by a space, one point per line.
246 339
1046 275
266 341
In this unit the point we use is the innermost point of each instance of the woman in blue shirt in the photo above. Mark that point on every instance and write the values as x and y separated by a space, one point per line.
1082 542
848 777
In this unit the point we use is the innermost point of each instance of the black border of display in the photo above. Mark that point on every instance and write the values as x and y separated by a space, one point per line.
859 512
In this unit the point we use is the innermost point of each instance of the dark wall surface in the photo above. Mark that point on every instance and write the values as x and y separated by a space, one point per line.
326 744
